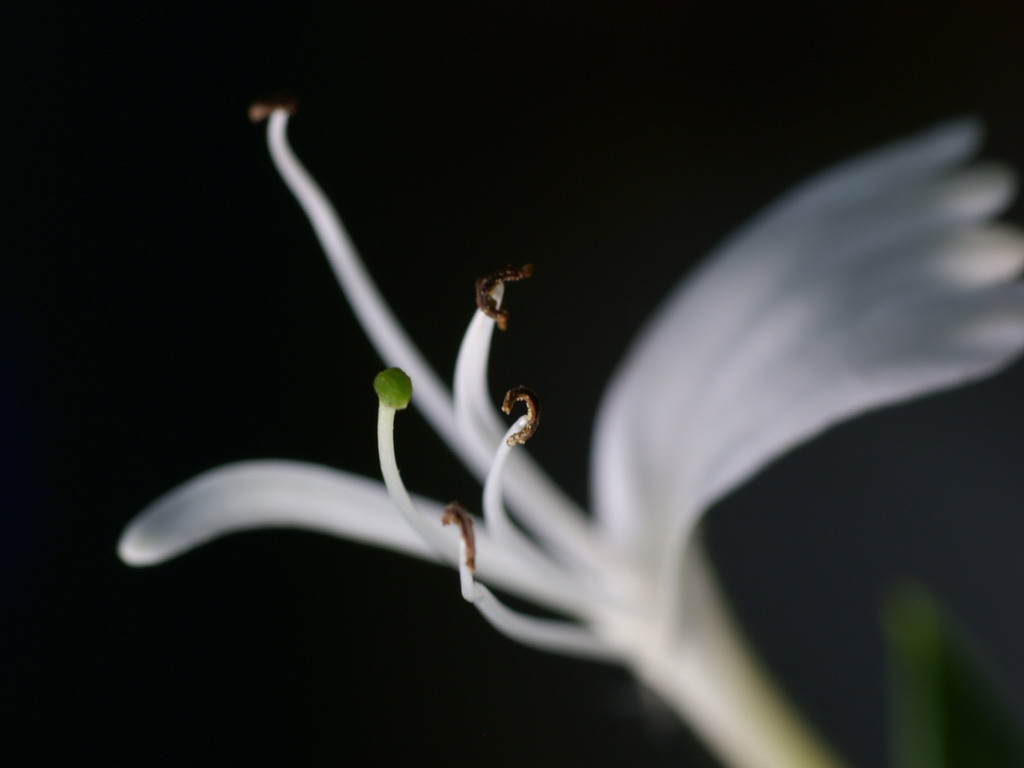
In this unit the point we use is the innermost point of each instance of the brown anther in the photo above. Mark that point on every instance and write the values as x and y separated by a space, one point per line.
456 513
528 396
263 108
485 291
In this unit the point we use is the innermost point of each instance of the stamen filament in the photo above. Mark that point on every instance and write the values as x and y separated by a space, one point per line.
379 324
474 411
546 634
501 528
539 503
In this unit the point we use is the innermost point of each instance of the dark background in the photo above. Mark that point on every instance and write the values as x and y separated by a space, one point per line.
164 309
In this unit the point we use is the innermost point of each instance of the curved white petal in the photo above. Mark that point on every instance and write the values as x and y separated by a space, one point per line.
289 494
266 494
874 282
861 360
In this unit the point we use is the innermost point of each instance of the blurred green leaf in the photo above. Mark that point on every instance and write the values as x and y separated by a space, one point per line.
947 712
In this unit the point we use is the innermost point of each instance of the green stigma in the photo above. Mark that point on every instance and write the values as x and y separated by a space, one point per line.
393 387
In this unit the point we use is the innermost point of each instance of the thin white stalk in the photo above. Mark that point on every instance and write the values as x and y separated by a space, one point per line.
539 503
466 580
377 320
501 528
474 411
550 635
546 634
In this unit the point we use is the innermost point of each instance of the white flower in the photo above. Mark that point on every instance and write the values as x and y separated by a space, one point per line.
872 283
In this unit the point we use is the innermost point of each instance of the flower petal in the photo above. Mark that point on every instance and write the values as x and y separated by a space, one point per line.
871 283
289 494
266 494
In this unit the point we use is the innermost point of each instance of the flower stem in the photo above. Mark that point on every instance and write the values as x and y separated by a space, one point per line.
715 683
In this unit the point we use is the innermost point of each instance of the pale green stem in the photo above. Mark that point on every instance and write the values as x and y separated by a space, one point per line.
715 683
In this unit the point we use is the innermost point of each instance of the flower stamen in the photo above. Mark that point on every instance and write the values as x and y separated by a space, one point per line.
540 505
499 525
524 395
394 391
456 514
261 109
553 635
562 521
486 285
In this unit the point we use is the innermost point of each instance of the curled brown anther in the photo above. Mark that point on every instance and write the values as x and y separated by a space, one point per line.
456 513
485 288
528 396
262 109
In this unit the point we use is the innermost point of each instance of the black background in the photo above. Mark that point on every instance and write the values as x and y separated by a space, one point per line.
164 309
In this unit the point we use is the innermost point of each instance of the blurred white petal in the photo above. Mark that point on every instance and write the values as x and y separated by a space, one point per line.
266 494
864 286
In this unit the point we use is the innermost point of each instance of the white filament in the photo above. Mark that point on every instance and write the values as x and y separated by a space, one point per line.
498 523
544 634
379 324
474 413
539 503
466 580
